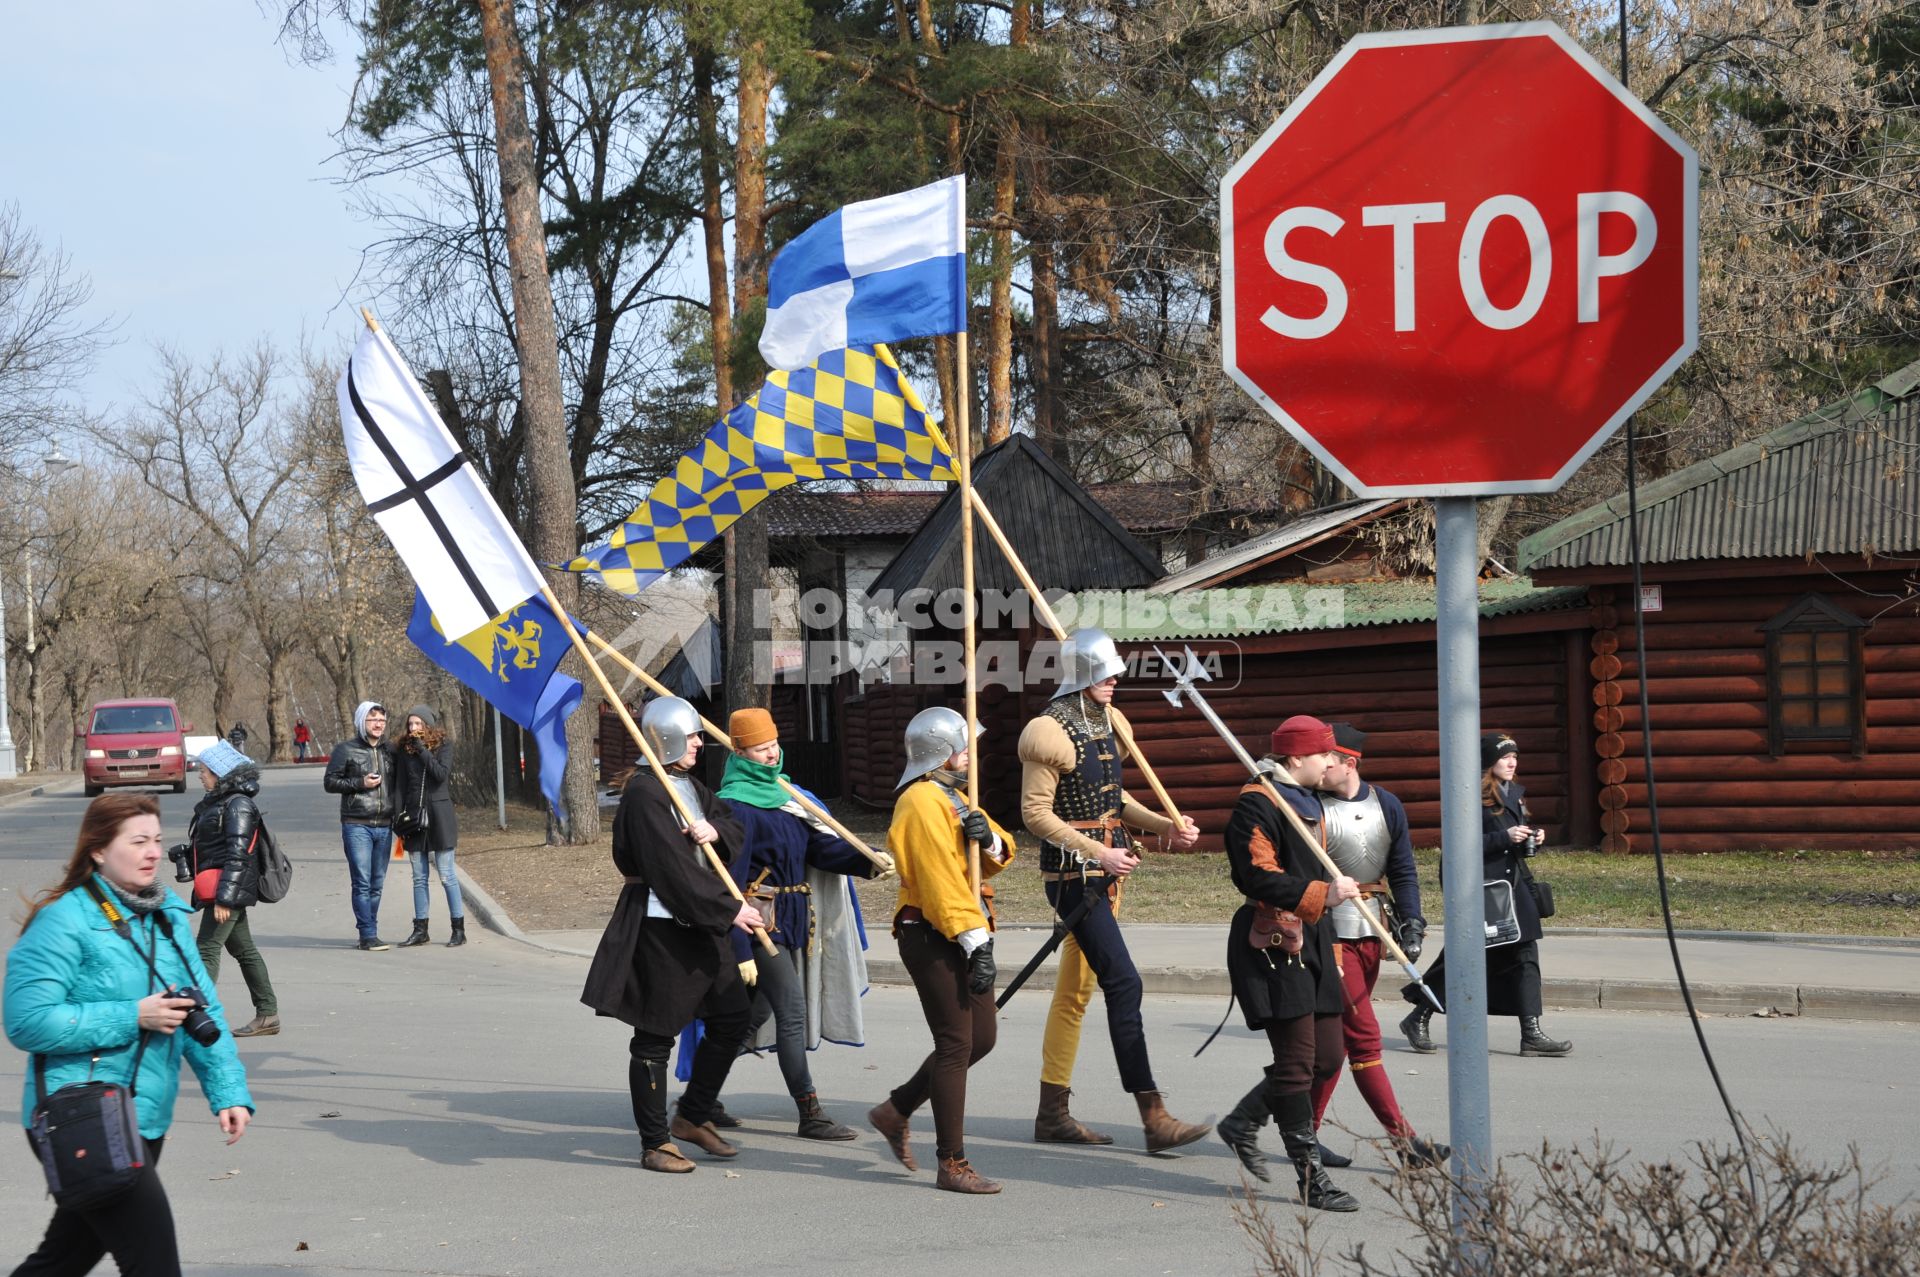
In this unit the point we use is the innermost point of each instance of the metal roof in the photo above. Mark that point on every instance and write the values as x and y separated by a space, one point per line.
1143 615
1311 527
1838 481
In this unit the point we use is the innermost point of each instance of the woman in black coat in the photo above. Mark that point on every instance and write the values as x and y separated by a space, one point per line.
424 817
1509 840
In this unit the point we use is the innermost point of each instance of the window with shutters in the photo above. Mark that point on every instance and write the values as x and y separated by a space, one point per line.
1816 677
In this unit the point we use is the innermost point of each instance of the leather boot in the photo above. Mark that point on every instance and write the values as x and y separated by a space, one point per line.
1415 1027
892 1125
666 1159
1535 1042
1240 1131
1163 1130
702 1137
719 1119
260 1026
815 1124
459 936
1295 1116
418 935
1053 1124
1329 1158
1417 1154
957 1176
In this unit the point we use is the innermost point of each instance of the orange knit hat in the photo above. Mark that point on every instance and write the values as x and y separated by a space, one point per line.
750 727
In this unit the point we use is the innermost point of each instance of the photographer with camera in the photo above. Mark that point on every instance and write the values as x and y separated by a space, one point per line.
97 986
359 770
1509 840
220 858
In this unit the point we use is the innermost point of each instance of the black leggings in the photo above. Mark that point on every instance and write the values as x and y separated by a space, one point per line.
137 1227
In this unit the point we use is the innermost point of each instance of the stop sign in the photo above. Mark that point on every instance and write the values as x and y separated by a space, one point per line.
1459 261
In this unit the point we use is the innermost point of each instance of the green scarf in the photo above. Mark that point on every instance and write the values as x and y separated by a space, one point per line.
755 784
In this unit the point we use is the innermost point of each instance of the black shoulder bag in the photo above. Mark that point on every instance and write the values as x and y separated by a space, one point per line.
87 1135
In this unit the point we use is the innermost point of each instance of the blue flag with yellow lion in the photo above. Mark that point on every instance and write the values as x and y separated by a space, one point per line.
512 662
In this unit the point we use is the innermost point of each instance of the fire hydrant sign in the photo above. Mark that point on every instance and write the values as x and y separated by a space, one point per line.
1459 261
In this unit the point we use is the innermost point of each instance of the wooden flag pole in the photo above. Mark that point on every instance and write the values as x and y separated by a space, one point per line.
1052 622
965 455
659 688
646 750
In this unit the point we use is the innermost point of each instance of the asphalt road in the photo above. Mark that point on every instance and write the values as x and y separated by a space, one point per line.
437 1111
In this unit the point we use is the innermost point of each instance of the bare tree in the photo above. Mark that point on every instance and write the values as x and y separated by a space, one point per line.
46 343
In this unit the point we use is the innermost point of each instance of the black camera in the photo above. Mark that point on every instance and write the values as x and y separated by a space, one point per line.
200 1026
181 854
1534 840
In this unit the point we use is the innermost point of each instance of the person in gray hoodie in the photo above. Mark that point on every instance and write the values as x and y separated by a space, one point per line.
360 771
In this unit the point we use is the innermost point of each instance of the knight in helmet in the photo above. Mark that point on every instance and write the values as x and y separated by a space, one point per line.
666 957
946 939
1071 798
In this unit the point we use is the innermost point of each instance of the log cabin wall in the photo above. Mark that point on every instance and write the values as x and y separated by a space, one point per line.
1529 687
1721 786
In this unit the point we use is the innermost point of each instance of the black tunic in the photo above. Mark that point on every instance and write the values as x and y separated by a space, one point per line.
660 974
1272 864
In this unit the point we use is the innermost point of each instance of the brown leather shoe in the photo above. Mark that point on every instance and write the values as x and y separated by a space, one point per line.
1164 1131
958 1176
260 1026
892 1125
1055 1125
666 1159
702 1137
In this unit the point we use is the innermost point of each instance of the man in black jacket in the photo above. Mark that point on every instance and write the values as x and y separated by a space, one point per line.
358 771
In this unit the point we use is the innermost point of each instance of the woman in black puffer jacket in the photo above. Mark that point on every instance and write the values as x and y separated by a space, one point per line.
225 836
423 815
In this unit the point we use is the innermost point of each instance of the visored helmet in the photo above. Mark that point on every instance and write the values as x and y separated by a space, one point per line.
934 736
666 724
1087 657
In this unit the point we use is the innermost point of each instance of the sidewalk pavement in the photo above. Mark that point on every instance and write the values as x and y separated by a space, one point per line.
1831 977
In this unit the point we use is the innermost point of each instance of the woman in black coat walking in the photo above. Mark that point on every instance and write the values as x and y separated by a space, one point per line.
1509 840
424 817
223 845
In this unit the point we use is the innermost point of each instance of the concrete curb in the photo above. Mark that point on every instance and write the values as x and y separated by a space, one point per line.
1808 1001
40 791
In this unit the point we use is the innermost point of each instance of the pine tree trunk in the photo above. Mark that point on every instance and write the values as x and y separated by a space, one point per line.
999 422
747 540
549 460
1043 357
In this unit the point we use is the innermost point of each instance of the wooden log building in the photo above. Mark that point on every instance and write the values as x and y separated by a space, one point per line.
1782 621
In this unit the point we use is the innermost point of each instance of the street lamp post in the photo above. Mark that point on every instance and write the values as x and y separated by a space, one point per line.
55 465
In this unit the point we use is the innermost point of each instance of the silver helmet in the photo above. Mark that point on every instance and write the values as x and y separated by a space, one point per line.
1087 657
934 736
666 724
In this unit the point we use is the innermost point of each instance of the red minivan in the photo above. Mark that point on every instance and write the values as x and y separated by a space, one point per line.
139 741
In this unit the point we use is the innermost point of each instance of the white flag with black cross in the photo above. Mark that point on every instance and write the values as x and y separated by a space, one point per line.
425 494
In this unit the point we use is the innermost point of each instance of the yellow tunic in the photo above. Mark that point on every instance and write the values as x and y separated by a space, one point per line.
931 855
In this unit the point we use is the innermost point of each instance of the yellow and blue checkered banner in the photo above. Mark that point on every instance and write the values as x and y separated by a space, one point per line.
849 416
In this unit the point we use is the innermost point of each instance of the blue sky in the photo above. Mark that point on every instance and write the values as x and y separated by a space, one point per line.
182 162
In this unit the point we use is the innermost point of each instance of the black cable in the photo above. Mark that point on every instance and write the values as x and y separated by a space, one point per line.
1646 758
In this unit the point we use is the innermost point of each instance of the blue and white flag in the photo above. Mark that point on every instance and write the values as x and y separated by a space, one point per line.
877 271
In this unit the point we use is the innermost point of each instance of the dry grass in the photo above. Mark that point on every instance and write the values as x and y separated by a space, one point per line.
1848 893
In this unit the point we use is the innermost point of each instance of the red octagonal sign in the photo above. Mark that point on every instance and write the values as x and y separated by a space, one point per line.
1459 261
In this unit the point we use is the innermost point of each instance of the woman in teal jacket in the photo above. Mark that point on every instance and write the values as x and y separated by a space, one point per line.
80 994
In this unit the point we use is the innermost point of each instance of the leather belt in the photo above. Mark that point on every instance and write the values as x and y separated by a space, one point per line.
1074 875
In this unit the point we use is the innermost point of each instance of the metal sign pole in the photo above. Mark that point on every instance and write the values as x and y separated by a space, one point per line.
499 768
1457 572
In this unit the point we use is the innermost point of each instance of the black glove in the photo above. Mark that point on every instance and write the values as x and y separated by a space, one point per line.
974 825
1412 935
980 968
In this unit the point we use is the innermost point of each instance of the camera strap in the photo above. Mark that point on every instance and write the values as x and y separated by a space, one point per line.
124 928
